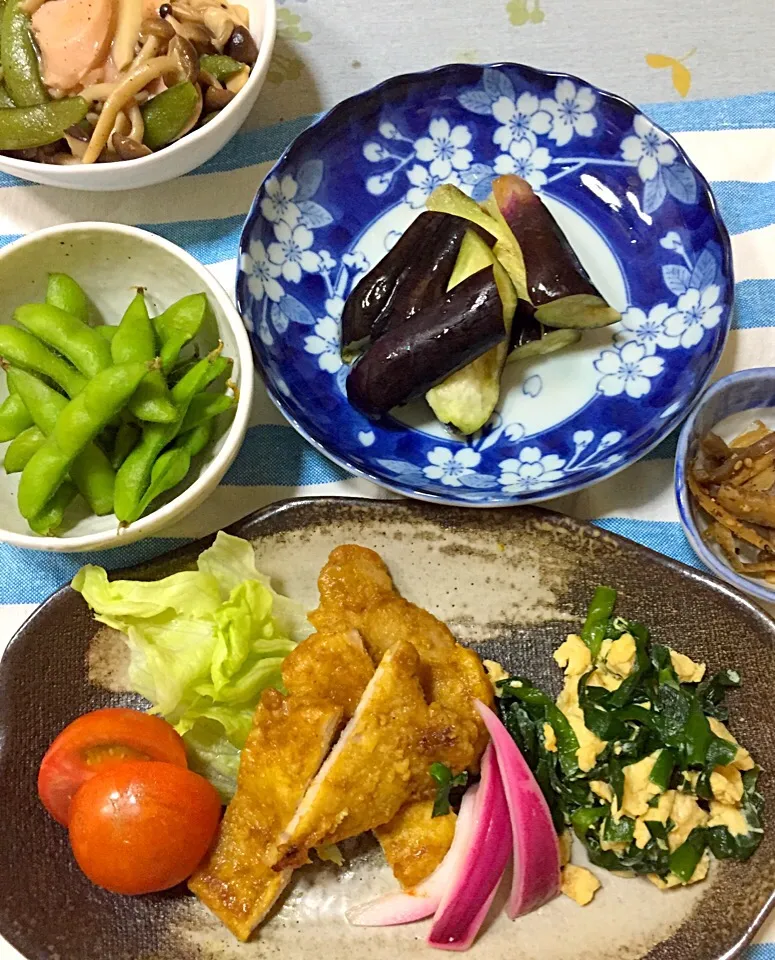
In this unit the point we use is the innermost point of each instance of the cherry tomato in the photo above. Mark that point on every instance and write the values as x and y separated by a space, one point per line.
142 827
98 741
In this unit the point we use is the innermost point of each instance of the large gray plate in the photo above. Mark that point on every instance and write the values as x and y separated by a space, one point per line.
511 583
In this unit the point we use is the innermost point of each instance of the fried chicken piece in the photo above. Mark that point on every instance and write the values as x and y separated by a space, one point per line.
415 843
353 580
329 666
453 676
378 763
289 740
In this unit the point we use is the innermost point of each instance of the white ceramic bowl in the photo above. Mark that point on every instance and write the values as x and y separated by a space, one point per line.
109 260
178 158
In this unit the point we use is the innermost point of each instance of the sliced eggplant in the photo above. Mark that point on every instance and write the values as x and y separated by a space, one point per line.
557 284
439 340
467 399
525 328
449 199
406 280
550 342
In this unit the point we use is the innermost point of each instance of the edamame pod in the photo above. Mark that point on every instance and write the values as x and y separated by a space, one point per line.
91 470
126 440
5 100
50 517
134 340
179 324
206 406
21 449
21 349
99 402
14 417
21 71
134 477
106 331
79 343
63 292
174 464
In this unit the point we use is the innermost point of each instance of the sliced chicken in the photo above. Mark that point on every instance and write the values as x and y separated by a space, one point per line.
415 843
329 666
353 580
289 741
379 762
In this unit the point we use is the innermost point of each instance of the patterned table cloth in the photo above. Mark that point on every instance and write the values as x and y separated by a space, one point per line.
701 69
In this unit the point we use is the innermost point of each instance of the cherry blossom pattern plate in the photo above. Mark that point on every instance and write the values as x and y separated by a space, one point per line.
639 214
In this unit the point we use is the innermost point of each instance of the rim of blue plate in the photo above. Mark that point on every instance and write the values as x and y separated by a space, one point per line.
683 500
669 423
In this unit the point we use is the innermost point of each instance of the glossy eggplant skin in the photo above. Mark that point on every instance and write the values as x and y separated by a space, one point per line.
433 344
554 272
524 328
409 278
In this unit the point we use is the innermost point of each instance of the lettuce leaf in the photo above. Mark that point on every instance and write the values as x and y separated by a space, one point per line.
203 646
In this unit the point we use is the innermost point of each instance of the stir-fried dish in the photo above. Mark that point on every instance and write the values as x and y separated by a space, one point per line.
369 718
734 486
87 81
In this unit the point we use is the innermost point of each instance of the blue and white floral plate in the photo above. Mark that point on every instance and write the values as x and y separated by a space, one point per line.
639 214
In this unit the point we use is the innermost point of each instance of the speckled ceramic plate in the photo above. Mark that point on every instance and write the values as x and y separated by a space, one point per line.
637 211
509 583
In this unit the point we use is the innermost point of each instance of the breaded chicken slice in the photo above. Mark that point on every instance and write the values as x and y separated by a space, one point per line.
415 843
378 763
284 750
353 580
329 666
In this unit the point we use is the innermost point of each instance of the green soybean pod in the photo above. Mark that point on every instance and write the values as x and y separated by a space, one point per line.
135 339
174 464
63 292
21 449
127 437
106 331
206 406
83 418
134 475
179 324
79 343
14 417
91 470
50 517
21 349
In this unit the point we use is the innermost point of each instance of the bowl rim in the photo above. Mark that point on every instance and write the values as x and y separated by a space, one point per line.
683 500
541 496
217 467
78 173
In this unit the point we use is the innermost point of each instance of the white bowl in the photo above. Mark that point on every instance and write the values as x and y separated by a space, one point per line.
178 158
109 260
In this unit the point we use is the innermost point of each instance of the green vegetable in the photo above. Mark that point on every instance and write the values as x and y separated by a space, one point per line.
106 331
173 465
684 860
178 325
21 71
5 100
598 614
14 418
79 423
75 340
219 66
21 349
203 645
445 782
90 471
651 712
135 340
63 292
26 127
50 517
21 449
168 113
127 436
134 476
206 406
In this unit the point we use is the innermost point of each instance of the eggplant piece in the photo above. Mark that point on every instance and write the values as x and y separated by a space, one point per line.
449 199
407 279
557 284
549 343
431 345
467 399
